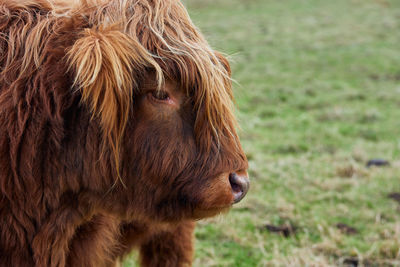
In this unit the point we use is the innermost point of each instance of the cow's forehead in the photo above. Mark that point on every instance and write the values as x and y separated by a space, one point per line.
165 39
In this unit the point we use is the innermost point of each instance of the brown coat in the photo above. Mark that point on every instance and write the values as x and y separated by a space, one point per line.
116 131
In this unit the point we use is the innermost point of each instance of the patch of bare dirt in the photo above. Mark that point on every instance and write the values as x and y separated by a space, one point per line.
346 229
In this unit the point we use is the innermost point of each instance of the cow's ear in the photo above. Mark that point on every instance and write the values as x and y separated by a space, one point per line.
105 63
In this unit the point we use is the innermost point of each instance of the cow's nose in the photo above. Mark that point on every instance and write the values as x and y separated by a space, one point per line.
240 185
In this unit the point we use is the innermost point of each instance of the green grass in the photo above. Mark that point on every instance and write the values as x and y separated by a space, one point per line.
318 95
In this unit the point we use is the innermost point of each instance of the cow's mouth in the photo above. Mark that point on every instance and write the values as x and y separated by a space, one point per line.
220 194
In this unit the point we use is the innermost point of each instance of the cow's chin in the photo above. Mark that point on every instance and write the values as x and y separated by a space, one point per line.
217 198
199 214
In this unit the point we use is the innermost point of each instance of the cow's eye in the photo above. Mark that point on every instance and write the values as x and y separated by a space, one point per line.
159 95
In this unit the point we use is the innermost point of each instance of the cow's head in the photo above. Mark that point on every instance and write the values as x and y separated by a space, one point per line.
164 100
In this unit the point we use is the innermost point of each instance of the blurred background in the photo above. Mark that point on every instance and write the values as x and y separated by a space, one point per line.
318 98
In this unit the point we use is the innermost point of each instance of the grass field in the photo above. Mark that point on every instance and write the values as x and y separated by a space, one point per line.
318 95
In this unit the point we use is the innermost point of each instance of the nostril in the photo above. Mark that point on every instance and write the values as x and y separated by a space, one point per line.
240 186
236 187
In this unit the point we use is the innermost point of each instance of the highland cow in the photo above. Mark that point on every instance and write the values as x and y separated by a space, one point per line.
116 132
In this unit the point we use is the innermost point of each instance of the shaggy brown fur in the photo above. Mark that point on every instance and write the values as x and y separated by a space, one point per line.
116 131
